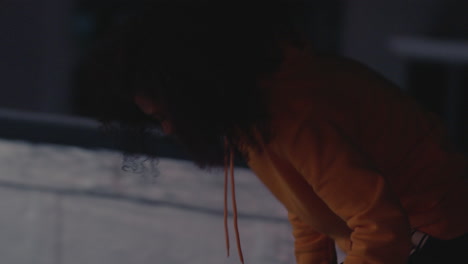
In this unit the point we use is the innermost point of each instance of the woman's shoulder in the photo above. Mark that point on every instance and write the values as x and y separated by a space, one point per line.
323 83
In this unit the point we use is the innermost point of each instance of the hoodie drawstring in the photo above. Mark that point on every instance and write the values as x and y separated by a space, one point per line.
226 229
229 161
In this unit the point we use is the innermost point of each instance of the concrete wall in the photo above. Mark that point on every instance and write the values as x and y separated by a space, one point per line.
66 205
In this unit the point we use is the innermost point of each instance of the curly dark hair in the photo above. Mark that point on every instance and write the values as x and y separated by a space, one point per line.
202 60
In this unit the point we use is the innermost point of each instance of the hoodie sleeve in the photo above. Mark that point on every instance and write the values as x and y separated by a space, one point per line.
353 190
310 246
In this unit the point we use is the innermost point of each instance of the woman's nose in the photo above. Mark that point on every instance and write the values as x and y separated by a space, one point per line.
167 127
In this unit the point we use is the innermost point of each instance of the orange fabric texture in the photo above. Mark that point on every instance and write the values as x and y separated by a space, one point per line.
356 162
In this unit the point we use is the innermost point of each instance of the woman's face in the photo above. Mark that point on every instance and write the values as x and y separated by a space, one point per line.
154 111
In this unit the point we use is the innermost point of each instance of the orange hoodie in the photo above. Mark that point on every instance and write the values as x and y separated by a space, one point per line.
358 163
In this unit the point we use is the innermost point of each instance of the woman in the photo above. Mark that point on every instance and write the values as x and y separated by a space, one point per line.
355 162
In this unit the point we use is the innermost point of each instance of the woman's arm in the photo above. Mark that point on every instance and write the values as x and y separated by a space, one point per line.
310 246
353 190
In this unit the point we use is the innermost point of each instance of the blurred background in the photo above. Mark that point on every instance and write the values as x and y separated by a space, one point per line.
419 44
64 197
